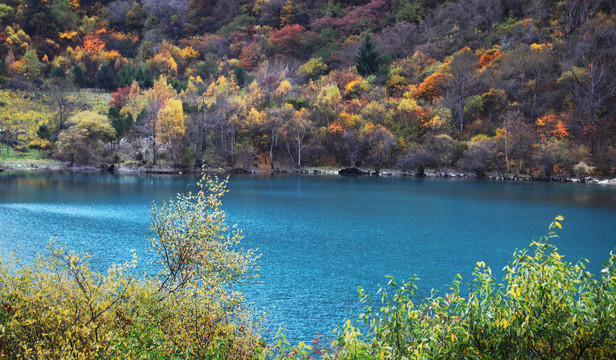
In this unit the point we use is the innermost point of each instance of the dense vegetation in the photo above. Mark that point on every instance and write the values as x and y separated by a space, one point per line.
59 307
512 86
546 308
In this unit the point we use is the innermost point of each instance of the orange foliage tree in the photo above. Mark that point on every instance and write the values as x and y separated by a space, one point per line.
551 126
432 87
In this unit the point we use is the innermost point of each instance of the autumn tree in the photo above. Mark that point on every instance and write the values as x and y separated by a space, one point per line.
478 157
286 14
313 68
527 74
442 146
461 83
169 16
417 158
82 142
380 143
591 78
551 126
295 131
515 139
328 104
433 86
288 40
121 121
30 66
156 100
272 127
221 109
548 155
170 125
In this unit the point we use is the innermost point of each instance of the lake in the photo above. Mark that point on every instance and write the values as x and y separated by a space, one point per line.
320 236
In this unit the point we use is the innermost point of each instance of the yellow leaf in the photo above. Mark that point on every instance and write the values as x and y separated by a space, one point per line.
559 217
557 224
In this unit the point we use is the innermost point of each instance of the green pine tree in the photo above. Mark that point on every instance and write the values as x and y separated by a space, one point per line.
106 78
367 58
79 78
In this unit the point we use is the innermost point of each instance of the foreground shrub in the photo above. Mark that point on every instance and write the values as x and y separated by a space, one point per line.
59 307
546 308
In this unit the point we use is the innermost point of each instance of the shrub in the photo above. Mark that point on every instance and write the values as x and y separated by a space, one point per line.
59 307
546 308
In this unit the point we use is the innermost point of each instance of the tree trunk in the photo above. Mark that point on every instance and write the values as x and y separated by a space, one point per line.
153 148
271 155
289 152
299 153
506 152
153 142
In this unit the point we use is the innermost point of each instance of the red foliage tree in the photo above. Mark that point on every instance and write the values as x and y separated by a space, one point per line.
371 15
250 56
120 97
288 40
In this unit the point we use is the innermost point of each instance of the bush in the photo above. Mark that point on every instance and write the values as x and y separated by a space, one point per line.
545 309
59 307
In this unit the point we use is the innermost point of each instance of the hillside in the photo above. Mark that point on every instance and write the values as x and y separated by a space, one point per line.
507 86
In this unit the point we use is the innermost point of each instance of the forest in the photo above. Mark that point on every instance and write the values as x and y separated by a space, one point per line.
479 86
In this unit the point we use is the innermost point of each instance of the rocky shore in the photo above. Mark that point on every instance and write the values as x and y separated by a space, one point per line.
352 171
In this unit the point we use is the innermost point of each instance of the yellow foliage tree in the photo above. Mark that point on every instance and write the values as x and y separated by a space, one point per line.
157 99
286 14
170 125
135 102
283 90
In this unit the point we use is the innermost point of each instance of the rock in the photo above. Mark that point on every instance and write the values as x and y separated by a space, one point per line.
352 171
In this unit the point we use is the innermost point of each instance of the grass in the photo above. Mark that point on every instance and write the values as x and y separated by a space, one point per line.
29 158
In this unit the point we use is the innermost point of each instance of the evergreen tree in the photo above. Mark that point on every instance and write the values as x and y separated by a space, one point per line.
367 58
240 76
58 72
79 77
144 78
121 123
106 78
126 76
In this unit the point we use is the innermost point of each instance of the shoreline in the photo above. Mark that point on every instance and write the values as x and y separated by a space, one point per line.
127 170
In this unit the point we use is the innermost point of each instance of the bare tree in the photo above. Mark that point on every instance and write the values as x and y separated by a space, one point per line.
592 77
461 83
58 91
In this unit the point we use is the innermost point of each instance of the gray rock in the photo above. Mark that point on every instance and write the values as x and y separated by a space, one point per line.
352 171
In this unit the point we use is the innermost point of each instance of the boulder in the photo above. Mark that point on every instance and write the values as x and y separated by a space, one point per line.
352 171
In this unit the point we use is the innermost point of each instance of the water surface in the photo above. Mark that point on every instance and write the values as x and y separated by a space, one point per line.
320 236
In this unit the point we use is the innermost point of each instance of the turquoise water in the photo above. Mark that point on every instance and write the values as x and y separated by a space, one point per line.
320 236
